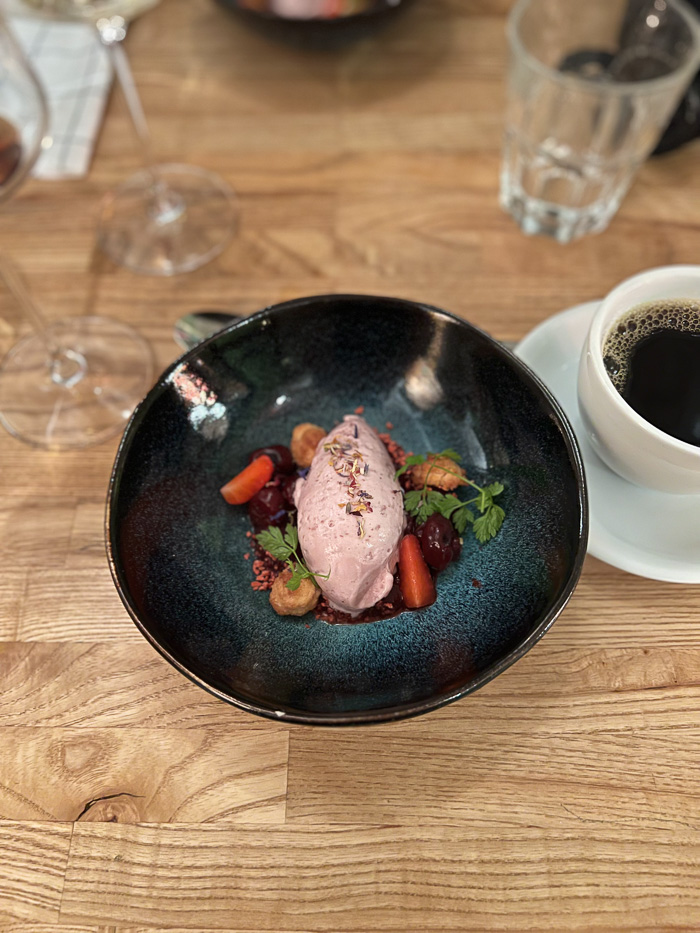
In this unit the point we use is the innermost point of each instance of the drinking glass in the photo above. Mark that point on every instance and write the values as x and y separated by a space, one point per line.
76 381
592 85
23 114
165 219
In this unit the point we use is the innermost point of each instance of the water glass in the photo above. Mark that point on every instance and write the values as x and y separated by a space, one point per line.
592 86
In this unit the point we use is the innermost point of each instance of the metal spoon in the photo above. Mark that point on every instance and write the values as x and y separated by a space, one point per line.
195 327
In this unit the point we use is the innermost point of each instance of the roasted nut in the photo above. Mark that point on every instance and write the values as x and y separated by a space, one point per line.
434 470
297 602
305 438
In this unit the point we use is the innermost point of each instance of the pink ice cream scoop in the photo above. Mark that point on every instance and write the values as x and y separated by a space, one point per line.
350 516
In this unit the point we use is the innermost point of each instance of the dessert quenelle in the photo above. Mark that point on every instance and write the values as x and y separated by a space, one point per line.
349 526
350 516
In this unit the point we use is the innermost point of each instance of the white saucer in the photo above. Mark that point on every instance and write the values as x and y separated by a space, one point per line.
652 534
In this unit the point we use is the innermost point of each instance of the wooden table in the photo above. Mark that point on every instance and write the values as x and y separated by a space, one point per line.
562 796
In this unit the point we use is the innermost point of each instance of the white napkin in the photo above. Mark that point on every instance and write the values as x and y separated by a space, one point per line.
76 74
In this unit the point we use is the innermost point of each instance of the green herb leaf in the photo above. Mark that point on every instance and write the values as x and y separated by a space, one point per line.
450 454
431 502
450 504
410 461
484 501
488 524
461 518
422 503
272 541
284 547
297 576
412 501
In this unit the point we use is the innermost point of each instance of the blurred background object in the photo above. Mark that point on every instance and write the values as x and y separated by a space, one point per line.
76 76
23 114
317 23
167 218
685 123
591 89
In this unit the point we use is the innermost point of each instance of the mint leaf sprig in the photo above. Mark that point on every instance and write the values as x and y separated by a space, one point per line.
286 547
422 503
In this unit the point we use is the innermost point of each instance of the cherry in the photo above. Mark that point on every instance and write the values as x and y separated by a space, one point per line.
268 508
439 541
279 454
287 486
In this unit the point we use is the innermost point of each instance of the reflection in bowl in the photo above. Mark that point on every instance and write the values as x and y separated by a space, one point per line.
176 549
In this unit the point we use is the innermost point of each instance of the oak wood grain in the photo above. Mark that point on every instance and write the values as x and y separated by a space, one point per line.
482 776
143 775
33 858
563 795
386 878
24 926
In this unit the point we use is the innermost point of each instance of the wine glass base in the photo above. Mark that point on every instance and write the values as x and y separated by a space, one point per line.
175 226
108 371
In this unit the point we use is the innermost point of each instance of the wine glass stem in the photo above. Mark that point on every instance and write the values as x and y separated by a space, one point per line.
14 283
125 76
67 366
166 205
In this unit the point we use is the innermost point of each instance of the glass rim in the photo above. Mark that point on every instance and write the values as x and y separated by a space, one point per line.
618 88
85 12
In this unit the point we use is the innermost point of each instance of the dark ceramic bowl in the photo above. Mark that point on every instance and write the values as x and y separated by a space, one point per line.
308 23
176 548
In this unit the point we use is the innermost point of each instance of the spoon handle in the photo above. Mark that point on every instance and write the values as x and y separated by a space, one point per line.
196 327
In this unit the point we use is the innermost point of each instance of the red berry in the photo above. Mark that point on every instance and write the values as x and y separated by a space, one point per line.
268 508
439 541
287 487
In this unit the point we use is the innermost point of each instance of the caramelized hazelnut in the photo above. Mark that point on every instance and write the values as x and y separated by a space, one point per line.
435 470
305 438
297 602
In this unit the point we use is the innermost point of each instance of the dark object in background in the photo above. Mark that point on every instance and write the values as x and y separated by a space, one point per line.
10 150
685 123
598 65
317 23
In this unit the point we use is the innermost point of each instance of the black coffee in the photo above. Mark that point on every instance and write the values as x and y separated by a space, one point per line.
652 356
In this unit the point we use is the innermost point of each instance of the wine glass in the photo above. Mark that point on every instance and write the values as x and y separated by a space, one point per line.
74 382
23 115
165 219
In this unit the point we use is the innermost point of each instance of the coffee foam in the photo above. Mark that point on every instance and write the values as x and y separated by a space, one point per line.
680 314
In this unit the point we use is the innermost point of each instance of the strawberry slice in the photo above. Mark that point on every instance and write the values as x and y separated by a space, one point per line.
415 581
244 486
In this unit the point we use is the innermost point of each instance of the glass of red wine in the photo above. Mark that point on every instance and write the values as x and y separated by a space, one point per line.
74 382
165 219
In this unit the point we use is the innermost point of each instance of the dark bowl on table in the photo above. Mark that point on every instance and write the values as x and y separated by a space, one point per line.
176 548
317 24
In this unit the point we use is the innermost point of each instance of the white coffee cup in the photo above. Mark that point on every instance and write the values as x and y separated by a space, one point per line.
629 445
